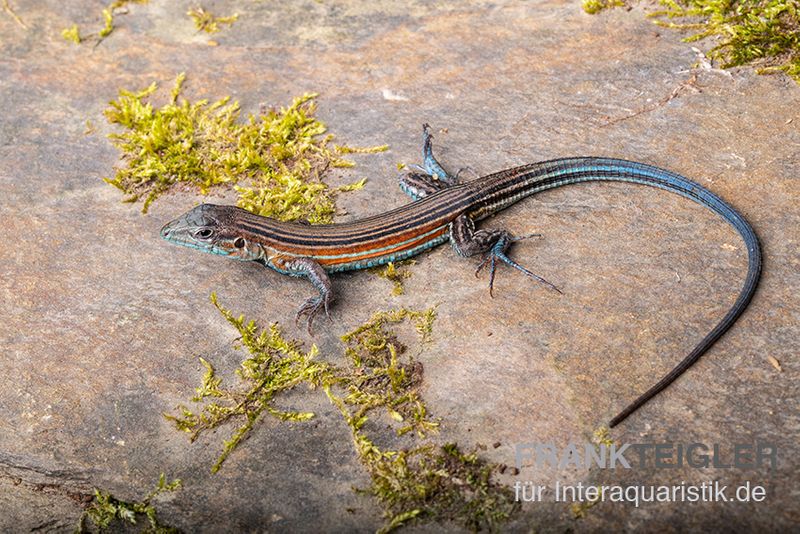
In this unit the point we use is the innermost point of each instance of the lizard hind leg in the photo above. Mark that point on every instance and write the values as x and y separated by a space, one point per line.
429 177
493 244
430 164
418 185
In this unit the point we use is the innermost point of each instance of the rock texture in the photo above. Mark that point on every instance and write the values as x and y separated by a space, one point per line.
102 322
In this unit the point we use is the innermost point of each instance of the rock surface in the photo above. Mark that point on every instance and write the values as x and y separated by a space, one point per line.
102 322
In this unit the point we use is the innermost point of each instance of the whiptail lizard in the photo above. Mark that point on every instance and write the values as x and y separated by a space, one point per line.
444 210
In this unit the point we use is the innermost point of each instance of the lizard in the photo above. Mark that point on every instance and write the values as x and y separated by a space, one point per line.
443 209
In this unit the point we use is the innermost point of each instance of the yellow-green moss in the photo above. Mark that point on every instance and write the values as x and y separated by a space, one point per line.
73 34
275 160
106 510
274 366
207 22
423 483
427 482
397 273
580 509
602 436
595 6
434 483
761 33
377 378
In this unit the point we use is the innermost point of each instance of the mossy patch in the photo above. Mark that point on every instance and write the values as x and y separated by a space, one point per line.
602 436
377 378
397 273
72 34
425 482
596 6
275 160
579 510
274 366
207 22
107 510
761 33
117 7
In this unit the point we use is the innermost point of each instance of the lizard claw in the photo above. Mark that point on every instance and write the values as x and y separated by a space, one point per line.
457 177
523 237
312 307
491 260
309 307
497 252
326 302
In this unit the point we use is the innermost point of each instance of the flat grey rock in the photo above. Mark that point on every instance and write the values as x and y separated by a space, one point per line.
102 322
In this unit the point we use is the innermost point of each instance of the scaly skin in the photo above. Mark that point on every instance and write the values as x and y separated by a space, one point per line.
444 209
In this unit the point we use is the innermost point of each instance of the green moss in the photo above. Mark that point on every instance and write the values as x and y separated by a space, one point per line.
580 509
206 22
372 335
601 436
378 379
435 483
595 6
275 160
106 510
274 366
424 483
761 33
72 33
427 482
395 273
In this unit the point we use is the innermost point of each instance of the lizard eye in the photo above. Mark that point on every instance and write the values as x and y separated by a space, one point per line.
239 242
204 233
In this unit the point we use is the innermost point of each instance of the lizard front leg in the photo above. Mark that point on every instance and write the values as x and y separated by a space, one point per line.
492 243
313 271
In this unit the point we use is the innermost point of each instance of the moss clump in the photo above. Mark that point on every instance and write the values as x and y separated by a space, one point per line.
762 33
580 509
206 22
396 273
601 436
428 482
72 33
378 379
435 483
274 366
106 509
596 6
275 160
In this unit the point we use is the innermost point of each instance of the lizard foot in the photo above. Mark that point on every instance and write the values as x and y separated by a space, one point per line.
312 307
498 252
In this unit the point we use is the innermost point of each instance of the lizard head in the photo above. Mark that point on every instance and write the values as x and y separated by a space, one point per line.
211 228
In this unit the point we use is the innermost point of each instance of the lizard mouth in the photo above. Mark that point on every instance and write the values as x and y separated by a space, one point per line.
166 230
178 232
